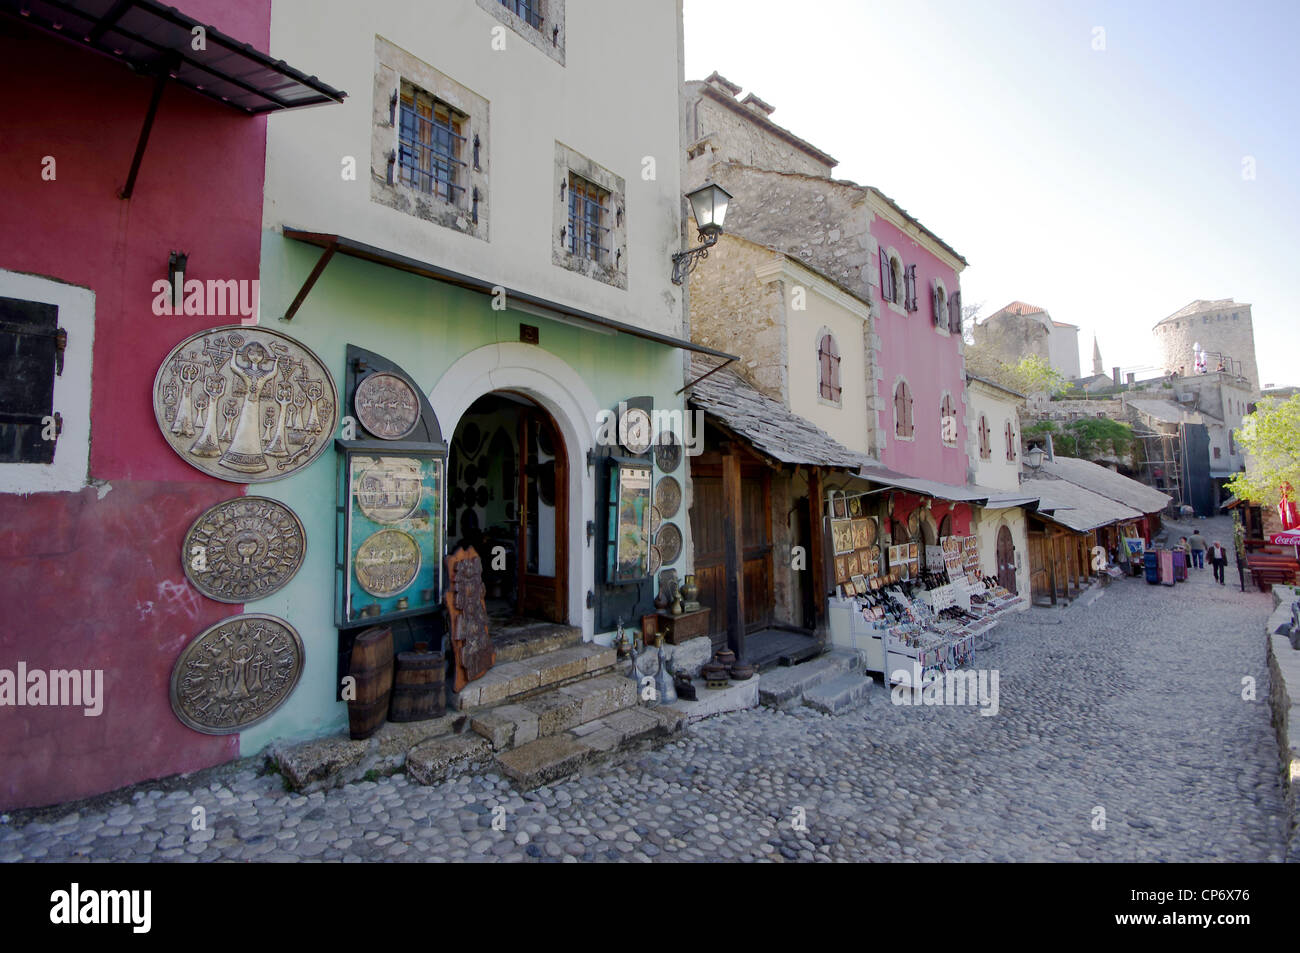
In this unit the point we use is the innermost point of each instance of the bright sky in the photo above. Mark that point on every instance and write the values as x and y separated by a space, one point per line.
1105 185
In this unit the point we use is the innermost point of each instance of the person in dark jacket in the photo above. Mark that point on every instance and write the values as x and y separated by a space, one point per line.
1218 560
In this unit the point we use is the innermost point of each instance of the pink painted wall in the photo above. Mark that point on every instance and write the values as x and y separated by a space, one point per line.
910 346
89 581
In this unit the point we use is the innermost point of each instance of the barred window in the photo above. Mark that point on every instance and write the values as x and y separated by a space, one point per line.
429 144
530 10
588 219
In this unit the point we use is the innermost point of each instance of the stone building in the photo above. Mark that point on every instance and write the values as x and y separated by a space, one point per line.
1222 328
1019 330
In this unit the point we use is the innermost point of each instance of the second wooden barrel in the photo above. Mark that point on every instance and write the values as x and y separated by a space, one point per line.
418 688
372 667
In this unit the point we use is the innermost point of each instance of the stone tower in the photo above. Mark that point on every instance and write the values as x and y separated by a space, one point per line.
1223 329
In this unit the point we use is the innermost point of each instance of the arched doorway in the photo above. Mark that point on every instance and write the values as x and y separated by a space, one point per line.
1006 560
507 471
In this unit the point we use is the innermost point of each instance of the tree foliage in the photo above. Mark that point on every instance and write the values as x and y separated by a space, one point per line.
1270 438
1030 375
1087 437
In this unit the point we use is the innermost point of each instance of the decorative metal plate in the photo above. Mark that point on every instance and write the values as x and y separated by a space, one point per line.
387 562
655 520
245 404
656 560
236 673
387 406
668 455
668 497
669 541
244 549
390 490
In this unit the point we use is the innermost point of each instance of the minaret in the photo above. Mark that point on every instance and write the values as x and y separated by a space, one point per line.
1096 358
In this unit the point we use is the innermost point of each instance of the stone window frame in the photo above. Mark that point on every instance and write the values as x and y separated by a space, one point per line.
940 319
910 436
469 214
836 385
549 39
568 163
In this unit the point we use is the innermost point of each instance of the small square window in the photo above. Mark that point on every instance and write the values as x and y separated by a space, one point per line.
31 347
589 228
430 143
528 10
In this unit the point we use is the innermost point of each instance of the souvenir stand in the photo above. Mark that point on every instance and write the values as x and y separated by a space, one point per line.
902 619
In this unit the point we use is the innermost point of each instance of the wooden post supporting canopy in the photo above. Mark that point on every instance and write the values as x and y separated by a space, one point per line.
734 564
817 544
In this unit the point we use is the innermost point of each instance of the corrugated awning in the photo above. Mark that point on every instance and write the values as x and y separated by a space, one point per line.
338 244
967 493
154 39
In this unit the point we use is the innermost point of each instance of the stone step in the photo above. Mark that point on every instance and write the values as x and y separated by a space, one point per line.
785 687
535 638
559 756
550 713
507 681
838 694
447 757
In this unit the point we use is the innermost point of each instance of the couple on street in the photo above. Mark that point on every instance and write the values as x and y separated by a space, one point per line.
1197 548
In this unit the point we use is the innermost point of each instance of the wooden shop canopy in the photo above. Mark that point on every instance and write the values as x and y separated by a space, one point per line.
339 244
154 39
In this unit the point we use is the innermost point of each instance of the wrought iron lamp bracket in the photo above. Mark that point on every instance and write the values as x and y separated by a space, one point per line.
684 262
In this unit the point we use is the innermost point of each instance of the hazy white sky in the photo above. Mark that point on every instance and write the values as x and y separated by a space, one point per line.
1105 185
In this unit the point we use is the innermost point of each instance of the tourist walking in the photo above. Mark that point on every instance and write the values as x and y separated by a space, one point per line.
1218 560
1196 547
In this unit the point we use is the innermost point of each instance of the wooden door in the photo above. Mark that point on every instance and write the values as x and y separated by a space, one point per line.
710 552
756 538
1006 559
1040 585
707 530
543 533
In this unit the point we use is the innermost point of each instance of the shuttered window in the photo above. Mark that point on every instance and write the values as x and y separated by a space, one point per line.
1011 442
948 421
909 289
954 312
903 410
828 364
986 445
939 303
887 289
31 356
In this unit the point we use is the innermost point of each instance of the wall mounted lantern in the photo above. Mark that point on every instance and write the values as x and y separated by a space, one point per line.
176 264
1035 457
709 206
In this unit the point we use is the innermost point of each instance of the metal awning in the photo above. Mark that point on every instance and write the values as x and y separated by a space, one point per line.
338 244
951 492
154 39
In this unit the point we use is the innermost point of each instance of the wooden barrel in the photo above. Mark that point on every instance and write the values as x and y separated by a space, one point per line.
372 667
418 693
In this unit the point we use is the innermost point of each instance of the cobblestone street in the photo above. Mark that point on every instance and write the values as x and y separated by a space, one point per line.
1131 704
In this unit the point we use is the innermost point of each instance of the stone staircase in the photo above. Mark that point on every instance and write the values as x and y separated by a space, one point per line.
550 705
832 683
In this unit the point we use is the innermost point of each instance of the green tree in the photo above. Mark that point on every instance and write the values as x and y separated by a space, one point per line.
1029 375
1270 438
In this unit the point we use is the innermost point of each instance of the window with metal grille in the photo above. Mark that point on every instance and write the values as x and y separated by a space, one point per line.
986 445
828 363
903 410
530 10
588 215
429 142
31 356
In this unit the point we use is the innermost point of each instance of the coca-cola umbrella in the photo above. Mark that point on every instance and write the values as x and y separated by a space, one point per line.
1289 538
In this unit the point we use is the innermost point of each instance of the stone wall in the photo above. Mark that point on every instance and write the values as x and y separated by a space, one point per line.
1012 337
1284 699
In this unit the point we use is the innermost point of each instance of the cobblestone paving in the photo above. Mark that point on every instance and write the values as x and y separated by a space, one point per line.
1132 704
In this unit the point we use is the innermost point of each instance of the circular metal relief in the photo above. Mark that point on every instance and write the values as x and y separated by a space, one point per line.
655 560
245 404
668 454
669 541
668 497
387 562
387 406
655 519
390 490
244 549
236 673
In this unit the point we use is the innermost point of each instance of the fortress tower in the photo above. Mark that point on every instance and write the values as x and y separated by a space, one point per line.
1223 329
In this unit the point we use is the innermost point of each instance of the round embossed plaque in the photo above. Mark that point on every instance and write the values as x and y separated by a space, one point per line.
387 406
668 497
669 541
387 562
390 490
245 404
244 549
236 673
668 452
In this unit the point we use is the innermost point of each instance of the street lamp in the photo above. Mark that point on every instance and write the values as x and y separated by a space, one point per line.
1035 457
709 206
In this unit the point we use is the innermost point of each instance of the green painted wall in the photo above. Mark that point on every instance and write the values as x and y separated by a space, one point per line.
425 326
